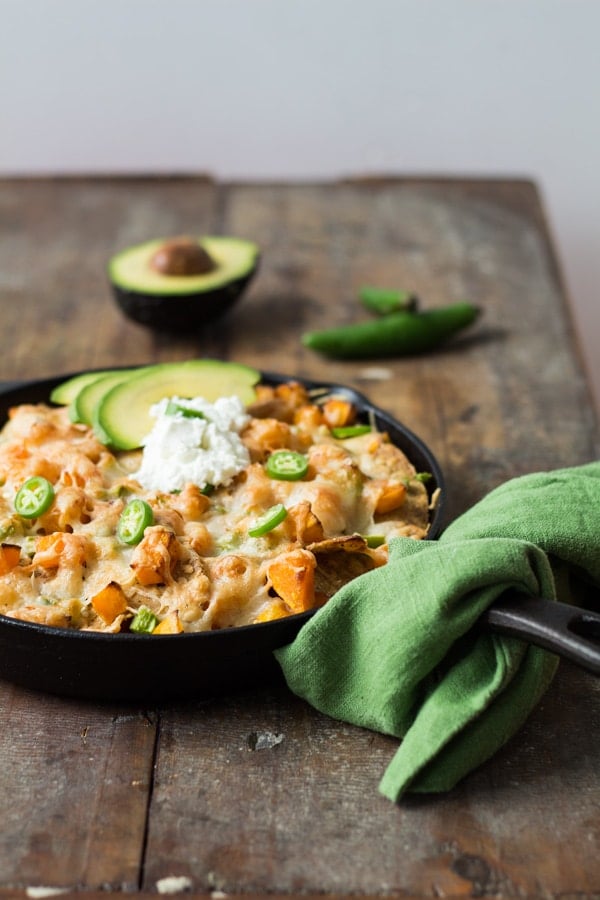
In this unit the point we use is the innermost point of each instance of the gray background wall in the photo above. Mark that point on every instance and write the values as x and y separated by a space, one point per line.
265 89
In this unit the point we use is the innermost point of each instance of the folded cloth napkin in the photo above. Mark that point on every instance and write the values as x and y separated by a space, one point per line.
396 650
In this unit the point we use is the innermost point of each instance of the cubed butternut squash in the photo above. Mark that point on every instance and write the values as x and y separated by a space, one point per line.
110 602
391 497
292 576
338 412
10 555
275 610
169 625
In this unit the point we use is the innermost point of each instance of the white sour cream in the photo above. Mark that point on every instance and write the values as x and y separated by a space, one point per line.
182 449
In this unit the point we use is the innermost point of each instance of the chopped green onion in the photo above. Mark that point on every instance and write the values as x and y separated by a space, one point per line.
350 431
286 465
273 517
135 518
144 621
34 497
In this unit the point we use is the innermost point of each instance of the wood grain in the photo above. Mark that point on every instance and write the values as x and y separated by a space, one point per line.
74 783
257 793
265 794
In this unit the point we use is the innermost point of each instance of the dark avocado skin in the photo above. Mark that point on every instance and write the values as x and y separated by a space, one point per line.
181 313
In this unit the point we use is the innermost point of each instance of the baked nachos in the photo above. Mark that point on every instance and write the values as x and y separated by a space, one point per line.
300 499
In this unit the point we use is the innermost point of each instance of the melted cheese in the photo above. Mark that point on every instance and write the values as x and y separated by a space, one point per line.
197 563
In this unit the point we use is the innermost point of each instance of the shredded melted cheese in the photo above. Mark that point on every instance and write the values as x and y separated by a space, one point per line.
197 568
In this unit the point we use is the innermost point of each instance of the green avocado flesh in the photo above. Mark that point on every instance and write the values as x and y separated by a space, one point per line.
234 258
65 392
83 405
117 403
123 414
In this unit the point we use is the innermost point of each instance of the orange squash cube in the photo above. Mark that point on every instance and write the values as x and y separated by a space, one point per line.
292 576
110 602
10 555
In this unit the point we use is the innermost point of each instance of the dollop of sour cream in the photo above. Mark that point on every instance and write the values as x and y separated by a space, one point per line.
193 441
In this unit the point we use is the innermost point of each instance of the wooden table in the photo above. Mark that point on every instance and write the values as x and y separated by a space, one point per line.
109 798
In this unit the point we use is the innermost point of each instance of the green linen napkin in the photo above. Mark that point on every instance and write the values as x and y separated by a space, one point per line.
396 651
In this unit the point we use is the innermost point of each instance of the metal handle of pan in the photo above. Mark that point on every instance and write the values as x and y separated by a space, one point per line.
569 631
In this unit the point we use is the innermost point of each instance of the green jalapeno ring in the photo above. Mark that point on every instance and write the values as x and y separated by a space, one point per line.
34 497
273 517
349 431
286 465
134 520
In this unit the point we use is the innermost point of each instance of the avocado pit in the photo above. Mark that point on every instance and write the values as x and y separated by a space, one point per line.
182 256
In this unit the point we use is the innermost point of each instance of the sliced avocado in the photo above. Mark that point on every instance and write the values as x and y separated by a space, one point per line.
65 392
182 292
86 402
124 417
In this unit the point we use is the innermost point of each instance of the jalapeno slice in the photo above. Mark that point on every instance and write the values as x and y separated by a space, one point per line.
273 517
350 431
187 412
135 518
34 497
286 465
144 621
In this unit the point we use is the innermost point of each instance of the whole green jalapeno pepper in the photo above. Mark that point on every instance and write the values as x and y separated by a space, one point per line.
397 334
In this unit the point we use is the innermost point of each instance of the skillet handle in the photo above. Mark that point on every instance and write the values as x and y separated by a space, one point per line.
569 631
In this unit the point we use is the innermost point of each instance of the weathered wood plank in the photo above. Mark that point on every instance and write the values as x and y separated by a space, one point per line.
261 793
74 783
232 806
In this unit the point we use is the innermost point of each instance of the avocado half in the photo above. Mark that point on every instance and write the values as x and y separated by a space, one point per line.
180 302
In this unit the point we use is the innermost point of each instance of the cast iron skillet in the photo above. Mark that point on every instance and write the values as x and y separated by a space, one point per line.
151 669
133 667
